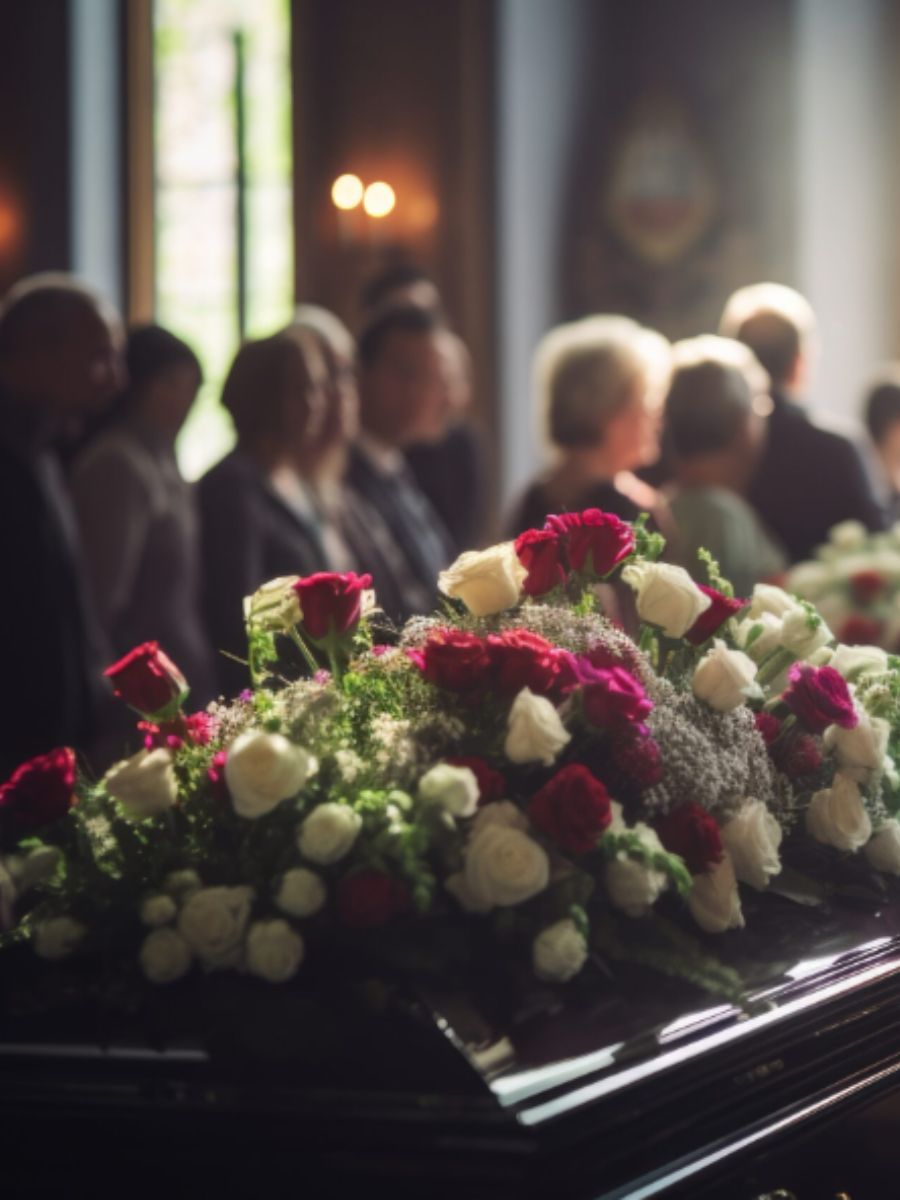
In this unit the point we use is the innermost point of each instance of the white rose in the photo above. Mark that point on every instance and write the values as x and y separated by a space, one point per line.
860 751
500 812
559 951
534 731
765 630
301 892
752 839
714 900
274 950
57 937
262 769
504 866
454 789
213 921
837 816
329 832
769 599
724 678
275 606
883 848
855 661
37 866
821 657
158 910
802 637
178 883
165 956
848 535
809 579
666 596
487 581
631 886
7 897
144 784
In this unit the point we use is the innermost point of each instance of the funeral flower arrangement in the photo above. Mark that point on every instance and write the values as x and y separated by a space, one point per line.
854 581
515 769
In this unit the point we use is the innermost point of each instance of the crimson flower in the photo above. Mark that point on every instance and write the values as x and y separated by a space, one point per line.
38 793
148 681
692 833
538 551
491 784
456 660
522 659
331 602
596 541
720 609
819 697
572 809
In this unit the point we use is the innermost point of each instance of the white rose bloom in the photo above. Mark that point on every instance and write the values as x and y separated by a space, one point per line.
274 950
329 832
165 956
158 910
487 581
714 901
213 922
848 535
799 638
724 678
504 866
500 812
458 888
144 784
855 661
262 769
821 657
666 596
559 951
631 886
534 731
454 789
37 866
860 751
770 599
765 641
809 579
883 848
275 606
752 839
7 896
57 937
301 892
179 883
837 816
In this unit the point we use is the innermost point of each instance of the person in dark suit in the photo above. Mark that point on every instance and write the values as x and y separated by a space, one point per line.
809 478
60 363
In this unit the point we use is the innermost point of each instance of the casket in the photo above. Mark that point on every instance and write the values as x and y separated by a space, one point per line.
627 1086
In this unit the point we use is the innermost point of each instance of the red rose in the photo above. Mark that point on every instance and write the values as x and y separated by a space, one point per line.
331 602
612 697
491 784
720 609
858 630
38 793
596 540
572 809
819 697
692 833
768 727
148 680
196 729
369 898
538 551
456 661
867 586
521 659
800 757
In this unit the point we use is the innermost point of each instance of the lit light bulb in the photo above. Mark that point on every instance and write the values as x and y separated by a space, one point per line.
346 192
379 199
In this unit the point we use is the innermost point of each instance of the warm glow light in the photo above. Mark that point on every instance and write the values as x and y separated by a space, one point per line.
347 191
379 199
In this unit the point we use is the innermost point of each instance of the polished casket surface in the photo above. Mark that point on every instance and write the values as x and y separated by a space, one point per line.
629 1086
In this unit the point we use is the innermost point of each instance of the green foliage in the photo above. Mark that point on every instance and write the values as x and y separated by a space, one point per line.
612 843
714 575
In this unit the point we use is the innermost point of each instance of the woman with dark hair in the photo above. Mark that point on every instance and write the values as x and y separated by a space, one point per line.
137 514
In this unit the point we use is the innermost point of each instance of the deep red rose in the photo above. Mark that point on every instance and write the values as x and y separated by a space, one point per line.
596 541
612 697
800 757
369 898
148 680
456 660
538 551
572 809
768 726
867 586
38 793
858 630
692 833
720 609
331 602
638 759
491 784
522 659
819 697
196 729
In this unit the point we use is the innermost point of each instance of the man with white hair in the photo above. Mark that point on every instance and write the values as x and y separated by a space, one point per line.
809 478
59 365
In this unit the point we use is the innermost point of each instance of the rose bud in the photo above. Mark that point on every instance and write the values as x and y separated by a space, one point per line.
148 681
38 793
331 603
819 697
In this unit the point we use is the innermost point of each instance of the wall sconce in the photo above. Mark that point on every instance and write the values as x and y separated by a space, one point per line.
355 201
379 200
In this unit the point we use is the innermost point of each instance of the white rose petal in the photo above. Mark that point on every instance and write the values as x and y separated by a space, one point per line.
769 599
765 630
800 636
329 832
559 951
454 789
178 883
666 596
752 839
853 662
883 848
39 865
714 901
837 816
158 910
275 606
534 730
57 937
262 769
809 579
500 812
301 892
487 581
724 678
860 751
213 922
165 956
144 784
848 535
632 887
504 866
274 950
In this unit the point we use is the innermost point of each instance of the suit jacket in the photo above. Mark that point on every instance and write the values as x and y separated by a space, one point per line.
451 474
249 535
808 480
